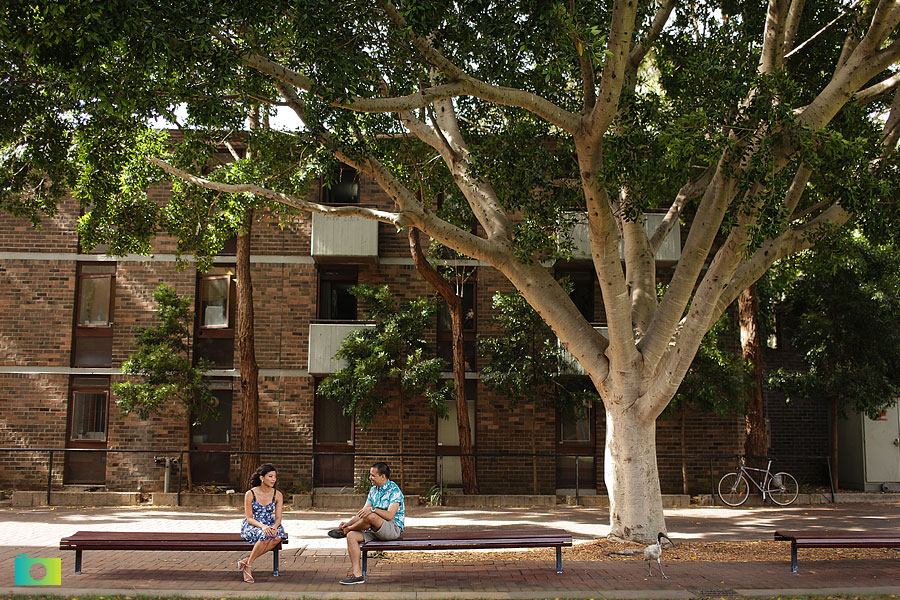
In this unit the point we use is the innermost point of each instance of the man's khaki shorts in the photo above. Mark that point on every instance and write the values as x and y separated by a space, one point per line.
389 530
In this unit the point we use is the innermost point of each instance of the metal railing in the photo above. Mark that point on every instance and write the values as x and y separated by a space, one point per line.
709 459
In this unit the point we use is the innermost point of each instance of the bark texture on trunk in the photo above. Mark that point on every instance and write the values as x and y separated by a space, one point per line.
187 455
755 444
454 305
244 337
631 476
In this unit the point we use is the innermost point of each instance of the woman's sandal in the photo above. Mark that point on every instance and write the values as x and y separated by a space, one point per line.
248 578
242 564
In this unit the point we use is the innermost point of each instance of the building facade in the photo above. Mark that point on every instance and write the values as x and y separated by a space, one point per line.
67 320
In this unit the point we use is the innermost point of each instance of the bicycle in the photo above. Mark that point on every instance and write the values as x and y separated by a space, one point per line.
781 487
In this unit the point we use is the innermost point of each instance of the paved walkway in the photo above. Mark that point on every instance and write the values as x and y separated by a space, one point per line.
312 563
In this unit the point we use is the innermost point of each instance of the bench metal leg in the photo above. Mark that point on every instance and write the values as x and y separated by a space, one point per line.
78 561
365 557
275 562
559 559
793 556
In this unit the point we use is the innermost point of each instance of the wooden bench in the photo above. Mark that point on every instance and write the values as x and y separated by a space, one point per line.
142 540
835 539
468 539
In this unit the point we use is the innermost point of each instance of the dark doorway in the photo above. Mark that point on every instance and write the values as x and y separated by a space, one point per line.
87 429
333 444
210 440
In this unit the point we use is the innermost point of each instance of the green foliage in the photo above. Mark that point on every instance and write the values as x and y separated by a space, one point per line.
391 350
163 364
842 313
525 361
435 495
718 378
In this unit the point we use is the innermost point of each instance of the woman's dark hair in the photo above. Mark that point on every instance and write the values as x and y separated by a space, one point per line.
261 470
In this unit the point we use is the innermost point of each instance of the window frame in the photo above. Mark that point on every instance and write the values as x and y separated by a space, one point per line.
325 192
80 388
95 328
226 330
335 274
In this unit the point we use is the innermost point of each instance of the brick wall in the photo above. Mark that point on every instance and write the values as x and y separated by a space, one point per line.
37 302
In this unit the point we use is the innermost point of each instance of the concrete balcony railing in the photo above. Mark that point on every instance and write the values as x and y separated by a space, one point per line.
573 367
344 239
669 251
324 341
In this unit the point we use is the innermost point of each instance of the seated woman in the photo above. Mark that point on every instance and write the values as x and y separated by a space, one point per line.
262 507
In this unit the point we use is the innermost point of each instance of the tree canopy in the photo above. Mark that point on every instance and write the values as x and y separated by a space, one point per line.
756 124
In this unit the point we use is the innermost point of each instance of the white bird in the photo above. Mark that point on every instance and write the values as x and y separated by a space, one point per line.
654 551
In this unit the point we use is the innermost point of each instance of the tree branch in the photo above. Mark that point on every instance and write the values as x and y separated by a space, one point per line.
687 192
819 32
612 77
793 23
399 219
480 89
878 90
772 57
640 50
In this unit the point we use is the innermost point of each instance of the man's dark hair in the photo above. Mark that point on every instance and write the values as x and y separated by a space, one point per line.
383 469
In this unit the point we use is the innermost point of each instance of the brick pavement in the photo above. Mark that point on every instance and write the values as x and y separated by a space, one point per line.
312 564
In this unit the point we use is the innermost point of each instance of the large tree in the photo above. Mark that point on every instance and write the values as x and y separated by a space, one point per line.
756 124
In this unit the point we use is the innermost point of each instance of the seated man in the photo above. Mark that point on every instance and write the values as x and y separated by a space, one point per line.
380 518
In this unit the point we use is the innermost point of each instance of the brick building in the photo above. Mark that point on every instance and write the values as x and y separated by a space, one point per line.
67 322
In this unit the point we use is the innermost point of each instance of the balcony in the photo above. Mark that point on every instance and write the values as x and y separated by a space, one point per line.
344 239
324 341
573 367
669 251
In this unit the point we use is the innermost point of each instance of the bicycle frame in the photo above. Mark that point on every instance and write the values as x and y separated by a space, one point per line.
767 477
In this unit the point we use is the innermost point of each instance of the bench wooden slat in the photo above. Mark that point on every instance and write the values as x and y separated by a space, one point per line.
468 539
835 539
159 541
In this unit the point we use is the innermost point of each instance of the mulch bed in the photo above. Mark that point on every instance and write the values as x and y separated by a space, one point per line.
603 550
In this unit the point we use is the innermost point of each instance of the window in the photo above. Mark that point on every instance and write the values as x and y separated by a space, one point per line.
93 333
582 293
342 188
89 409
216 304
336 303
445 334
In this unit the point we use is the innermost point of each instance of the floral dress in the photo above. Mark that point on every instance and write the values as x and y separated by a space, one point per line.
265 515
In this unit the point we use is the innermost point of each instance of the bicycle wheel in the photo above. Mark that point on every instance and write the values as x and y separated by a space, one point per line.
783 488
734 489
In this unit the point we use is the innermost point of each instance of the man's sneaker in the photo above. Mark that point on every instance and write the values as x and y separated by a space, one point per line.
336 533
353 580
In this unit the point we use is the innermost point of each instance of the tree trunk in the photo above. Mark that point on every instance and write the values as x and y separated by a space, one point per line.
751 351
244 336
631 476
187 455
684 478
454 304
833 409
